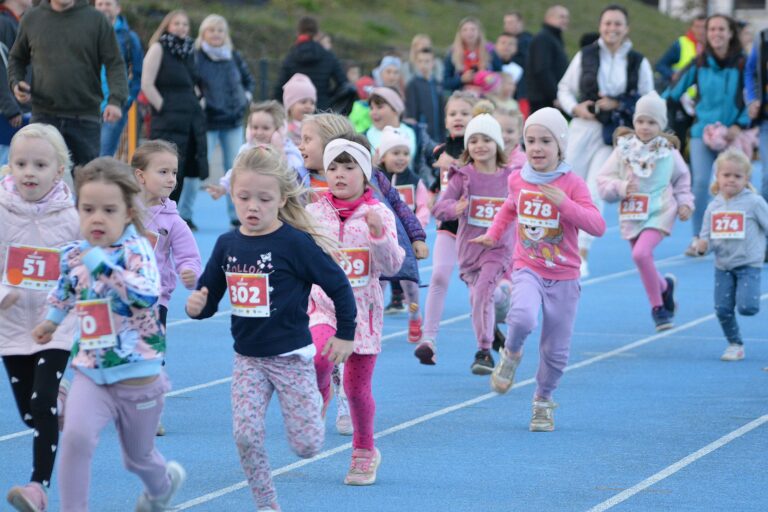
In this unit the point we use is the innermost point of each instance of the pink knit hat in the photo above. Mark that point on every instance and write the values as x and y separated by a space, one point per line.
391 97
296 89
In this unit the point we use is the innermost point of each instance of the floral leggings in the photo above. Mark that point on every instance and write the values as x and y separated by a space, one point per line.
253 381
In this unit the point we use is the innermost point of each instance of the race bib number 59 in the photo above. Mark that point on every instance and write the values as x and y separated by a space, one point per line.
35 268
727 225
533 209
249 294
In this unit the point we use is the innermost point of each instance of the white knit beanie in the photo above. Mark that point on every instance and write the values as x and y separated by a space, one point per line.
551 119
391 138
652 105
486 125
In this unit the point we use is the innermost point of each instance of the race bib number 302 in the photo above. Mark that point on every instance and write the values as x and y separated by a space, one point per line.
356 263
249 294
97 330
727 225
533 209
483 209
34 268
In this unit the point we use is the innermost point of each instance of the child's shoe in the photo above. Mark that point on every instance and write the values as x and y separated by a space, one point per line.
662 318
414 330
160 430
28 498
543 419
395 305
498 339
61 401
178 475
426 352
668 297
503 375
362 471
733 352
483 363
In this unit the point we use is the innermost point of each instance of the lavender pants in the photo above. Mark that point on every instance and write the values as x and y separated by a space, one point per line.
482 285
559 300
444 257
135 410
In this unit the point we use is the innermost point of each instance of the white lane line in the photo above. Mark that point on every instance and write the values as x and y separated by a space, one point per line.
447 410
677 466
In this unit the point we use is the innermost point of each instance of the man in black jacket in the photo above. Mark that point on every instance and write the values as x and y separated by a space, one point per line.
307 56
547 60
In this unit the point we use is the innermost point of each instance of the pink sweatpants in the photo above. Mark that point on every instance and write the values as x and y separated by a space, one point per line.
358 375
482 285
642 254
444 257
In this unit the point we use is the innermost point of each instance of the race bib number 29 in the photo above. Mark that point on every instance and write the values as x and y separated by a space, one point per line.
482 210
249 294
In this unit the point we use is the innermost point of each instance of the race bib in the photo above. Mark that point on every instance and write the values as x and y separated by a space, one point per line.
249 294
634 207
356 263
727 225
34 268
483 209
443 178
533 209
407 195
97 330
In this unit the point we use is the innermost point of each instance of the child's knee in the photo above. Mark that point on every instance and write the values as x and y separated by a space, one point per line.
521 320
307 446
749 309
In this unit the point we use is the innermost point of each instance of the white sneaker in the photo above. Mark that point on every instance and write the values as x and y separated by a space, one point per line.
584 269
543 418
178 475
733 352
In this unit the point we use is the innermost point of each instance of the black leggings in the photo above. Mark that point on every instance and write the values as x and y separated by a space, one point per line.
35 382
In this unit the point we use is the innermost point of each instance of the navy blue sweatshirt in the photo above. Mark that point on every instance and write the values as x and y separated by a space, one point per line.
294 262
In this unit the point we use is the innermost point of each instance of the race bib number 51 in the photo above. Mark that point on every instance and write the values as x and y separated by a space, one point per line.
35 268
482 210
727 225
97 329
533 209
356 263
249 294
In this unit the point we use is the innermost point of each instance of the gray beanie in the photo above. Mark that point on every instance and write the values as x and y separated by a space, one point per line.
653 106
551 119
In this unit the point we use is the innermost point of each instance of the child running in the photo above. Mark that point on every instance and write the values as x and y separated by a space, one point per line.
474 194
550 204
111 280
393 155
38 215
649 176
735 226
267 267
366 231
458 112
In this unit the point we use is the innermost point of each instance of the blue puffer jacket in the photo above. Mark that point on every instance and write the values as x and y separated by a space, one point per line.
720 96
224 84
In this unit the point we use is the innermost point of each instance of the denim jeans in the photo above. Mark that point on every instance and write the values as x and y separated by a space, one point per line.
702 159
110 134
764 159
81 133
230 139
736 290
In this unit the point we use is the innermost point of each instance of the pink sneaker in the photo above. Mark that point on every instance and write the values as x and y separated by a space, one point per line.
29 498
362 471
61 401
414 330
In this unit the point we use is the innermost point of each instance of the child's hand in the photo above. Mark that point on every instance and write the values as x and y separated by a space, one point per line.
337 350
420 250
631 187
554 194
188 277
702 244
10 299
196 301
375 224
461 205
444 161
215 191
484 240
684 212
43 333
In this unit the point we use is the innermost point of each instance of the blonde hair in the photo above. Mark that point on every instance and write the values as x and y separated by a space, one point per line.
465 96
265 160
457 50
210 21
163 27
106 169
329 126
735 156
272 107
419 42
49 134
626 131
484 107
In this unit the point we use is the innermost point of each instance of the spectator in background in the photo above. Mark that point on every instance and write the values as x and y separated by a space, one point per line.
515 25
408 70
308 57
169 82
11 112
756 92
587 38
227 87
547 60
424 97
133 55
66 85
387 73
746 36
503 55
468 55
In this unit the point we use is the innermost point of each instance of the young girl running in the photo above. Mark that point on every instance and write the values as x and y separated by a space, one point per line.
267 267
37 212
474 194
649 176
393 155
366 231
550 204
299 100
111 280
458 112
735 227
511 122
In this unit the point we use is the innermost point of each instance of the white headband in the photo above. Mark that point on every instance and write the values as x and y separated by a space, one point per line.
358 153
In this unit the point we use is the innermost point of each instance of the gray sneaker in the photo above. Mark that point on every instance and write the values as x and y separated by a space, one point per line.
543 419
503 375
177 475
